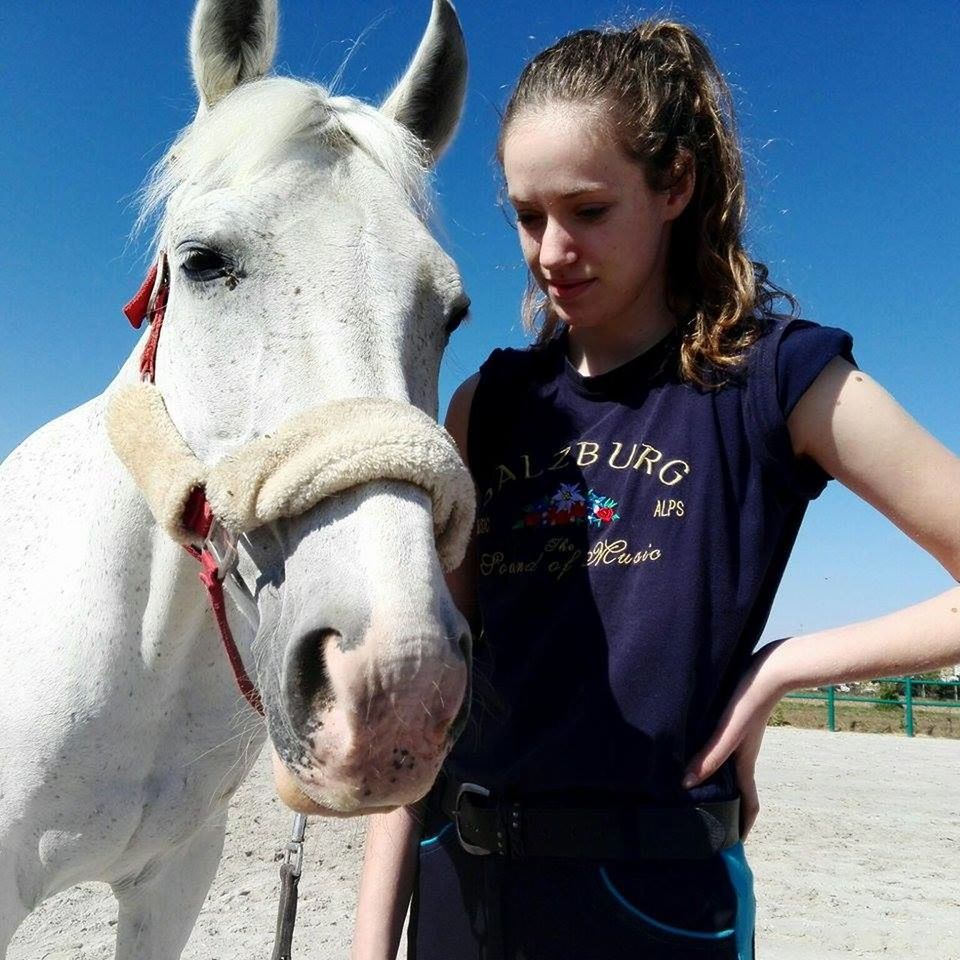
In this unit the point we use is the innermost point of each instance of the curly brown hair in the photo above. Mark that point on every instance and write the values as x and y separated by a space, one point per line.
668 106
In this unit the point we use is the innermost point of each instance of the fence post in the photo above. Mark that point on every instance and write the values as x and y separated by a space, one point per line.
908 691
831 709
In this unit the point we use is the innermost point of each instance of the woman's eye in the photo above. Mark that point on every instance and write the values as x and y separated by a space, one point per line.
203 263
592 213
527 218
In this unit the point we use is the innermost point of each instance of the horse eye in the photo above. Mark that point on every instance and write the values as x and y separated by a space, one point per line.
202 263
457 317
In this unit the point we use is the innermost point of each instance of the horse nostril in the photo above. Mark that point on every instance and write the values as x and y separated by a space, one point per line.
307 683
465 646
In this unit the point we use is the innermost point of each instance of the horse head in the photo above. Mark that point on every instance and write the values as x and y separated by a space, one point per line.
302 276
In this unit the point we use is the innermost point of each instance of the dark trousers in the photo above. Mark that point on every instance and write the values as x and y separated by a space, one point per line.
467 907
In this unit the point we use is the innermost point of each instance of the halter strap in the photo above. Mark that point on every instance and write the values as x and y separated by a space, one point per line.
150 301
199 519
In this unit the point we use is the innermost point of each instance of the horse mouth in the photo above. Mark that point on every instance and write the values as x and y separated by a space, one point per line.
312 789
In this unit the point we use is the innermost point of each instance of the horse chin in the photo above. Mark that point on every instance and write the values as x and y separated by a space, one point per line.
299 791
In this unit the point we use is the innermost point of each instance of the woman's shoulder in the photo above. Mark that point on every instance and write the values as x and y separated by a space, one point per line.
518 365
780 367
495 393
790 354
505 368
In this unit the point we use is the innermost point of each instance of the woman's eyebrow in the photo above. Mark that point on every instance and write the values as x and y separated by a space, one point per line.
573 193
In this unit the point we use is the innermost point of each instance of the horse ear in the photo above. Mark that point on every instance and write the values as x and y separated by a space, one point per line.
231 41
428 100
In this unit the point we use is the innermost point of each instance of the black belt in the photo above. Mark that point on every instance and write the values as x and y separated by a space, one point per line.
608 832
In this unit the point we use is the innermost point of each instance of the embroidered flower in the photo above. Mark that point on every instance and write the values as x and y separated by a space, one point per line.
569 506
567 496
602 509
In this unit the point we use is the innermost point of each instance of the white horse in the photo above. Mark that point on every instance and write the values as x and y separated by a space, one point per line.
301 273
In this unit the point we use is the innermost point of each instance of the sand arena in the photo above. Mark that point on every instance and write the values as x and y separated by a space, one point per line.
855 856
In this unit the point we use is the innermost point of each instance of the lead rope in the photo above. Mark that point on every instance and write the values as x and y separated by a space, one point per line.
290 871
218 558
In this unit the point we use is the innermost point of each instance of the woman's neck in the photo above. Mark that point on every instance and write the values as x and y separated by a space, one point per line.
594 351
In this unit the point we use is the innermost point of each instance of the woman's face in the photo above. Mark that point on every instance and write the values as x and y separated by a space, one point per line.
593 233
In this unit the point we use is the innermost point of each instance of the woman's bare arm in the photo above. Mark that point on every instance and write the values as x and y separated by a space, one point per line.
858 433
386 883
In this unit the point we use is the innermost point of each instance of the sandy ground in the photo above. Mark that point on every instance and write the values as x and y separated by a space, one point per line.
855 855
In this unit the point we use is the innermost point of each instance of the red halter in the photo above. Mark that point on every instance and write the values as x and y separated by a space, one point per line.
150 299
216 559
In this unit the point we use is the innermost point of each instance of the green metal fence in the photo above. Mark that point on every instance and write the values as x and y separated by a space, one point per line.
907 701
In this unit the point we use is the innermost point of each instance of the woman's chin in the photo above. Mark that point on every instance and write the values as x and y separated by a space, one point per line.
577 313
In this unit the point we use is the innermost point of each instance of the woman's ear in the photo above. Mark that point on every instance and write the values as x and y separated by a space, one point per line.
682 184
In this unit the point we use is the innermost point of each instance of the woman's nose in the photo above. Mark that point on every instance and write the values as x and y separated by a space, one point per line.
557 248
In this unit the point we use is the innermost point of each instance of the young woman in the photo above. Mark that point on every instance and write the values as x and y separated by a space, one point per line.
642 474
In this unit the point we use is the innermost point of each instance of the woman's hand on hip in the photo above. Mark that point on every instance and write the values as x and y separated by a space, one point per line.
739 735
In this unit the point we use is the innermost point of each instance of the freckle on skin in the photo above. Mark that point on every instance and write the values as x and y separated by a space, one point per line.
859 379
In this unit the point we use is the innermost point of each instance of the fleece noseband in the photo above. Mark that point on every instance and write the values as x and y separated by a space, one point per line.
316 454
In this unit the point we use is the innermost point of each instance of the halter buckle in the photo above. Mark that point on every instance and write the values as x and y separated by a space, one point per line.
222 545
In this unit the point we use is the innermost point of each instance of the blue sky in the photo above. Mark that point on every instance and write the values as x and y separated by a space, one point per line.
850 127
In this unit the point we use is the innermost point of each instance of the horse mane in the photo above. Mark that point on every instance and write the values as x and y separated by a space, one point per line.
238 139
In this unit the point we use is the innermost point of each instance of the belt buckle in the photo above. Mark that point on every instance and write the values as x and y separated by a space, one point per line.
476 790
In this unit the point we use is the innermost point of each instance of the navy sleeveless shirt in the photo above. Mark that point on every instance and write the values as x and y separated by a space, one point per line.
632 531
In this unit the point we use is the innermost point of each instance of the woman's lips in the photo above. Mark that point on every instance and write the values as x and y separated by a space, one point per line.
565 292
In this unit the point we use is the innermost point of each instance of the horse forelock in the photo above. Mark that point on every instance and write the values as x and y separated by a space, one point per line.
241 138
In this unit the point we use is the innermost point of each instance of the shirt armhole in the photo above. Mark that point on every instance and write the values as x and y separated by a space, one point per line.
483 396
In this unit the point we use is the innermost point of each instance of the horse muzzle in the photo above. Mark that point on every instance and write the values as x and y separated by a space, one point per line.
362 718
368 721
